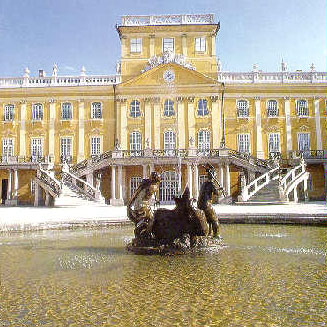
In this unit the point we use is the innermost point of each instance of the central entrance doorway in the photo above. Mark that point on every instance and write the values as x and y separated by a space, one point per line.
4 190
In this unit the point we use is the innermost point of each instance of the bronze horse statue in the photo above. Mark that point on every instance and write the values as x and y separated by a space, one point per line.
169 225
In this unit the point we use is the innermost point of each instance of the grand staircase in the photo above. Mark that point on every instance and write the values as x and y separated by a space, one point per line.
269 194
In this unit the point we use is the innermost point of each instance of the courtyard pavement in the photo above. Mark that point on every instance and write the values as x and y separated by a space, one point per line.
30 218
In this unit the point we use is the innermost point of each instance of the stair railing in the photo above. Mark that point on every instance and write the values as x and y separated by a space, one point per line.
252 188
46 179
79 185
292 179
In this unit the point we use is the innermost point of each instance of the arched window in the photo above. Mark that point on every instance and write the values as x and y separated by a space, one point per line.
169 143
302 107
96 110
272 108
203 107
168 186
203 140
66 111
135 109
135 143
169 108
242 108
37 111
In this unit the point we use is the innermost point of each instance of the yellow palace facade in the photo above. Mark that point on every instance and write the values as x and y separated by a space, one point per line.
171 108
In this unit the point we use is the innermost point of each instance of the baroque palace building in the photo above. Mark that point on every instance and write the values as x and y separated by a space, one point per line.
170 108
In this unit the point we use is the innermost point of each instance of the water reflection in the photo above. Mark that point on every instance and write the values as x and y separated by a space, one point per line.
266 276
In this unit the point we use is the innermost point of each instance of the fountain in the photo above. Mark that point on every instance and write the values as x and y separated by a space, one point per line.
177 231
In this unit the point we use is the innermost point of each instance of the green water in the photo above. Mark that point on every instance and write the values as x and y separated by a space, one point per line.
266 276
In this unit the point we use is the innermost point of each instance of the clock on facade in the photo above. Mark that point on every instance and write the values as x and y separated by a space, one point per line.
169 75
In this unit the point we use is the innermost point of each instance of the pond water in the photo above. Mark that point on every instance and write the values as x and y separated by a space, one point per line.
265 276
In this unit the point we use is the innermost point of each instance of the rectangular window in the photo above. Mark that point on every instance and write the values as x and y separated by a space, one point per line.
303 141
96 110
36 148
7 147
168 44
242 108
95 145
136 45
200 44
66 111
66 149
9 112
274 142
302 108
243 141
135 182
38 111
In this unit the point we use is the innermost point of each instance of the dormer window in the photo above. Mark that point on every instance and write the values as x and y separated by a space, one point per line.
9 112
168 44
136 45
200 44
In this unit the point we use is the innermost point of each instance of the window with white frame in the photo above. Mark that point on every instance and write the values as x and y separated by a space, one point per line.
135 109
96 110
242 108
203 140
66 111
168 44
36 148
9 112
243 143
200 44
302 108
135 183
303 141
66 144
274 142
95 145
135 141
136 45
169 108
7 147
272 108
169 142
203 107
37 111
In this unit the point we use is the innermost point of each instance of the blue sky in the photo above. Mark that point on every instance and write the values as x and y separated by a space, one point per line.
72 33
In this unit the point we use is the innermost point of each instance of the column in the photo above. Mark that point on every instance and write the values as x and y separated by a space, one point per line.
152 168
190 179
215 119
221 176
123 124
156 123
152 52
37 195
47 199
181 123
196 181
16 185
184 45
9 191
89 178
145 174
296 199
52 117
81 154
213 45
147 123
260 153
318 126
120 185
305 189
113 184
227 179
191 120
288 125
22 131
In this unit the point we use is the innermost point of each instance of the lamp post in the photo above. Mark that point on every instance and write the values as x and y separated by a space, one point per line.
223 141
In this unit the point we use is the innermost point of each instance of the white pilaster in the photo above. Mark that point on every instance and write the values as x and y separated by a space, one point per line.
260 153
305 190
196 181
288 125
181 124
215 119
152 39
190 179
22 131
81 133
16 185
221 176
191 120
213 45
148 124
227 178
9 191
52 117
318 127
184 45
120 183
113 184
123 125
156 124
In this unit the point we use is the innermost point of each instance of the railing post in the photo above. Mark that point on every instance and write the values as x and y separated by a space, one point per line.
305 189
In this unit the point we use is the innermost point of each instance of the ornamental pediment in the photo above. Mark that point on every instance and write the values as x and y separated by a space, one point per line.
169 75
